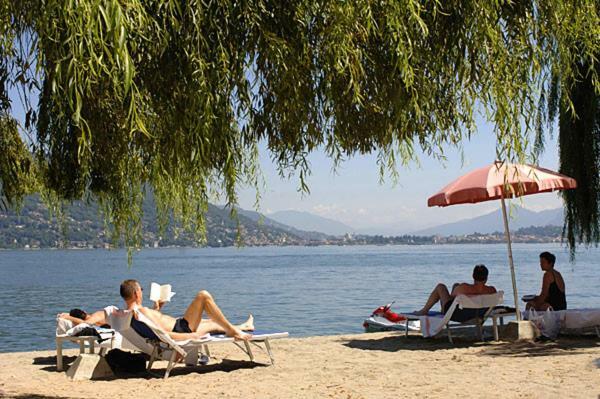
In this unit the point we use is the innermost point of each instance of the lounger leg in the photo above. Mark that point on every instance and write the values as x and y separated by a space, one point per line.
249 351
81 346
152 357
495 327
171 364
598 331
207 350
59 355
449 334
92 346
268 346
480 330
406 328
191 359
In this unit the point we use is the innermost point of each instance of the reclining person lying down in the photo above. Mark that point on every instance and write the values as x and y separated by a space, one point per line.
191 325
78 316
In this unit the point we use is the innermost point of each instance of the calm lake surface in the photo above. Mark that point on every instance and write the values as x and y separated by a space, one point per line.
303 290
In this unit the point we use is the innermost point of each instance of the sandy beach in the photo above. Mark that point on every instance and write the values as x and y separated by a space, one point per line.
344 366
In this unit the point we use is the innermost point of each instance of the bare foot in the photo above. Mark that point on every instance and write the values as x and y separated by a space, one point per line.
248 325
239 335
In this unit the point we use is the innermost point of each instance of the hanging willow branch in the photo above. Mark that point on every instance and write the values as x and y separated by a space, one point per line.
173 96
579 141
571 94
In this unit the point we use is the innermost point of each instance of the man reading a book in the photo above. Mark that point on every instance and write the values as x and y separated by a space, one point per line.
191 325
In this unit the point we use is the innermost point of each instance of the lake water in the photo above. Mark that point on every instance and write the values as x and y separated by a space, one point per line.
303 290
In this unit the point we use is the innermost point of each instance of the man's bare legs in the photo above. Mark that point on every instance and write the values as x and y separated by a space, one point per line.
204 302
440 293
209 326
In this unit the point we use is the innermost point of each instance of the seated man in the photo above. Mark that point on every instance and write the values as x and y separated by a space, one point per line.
191 325
440 292
553 287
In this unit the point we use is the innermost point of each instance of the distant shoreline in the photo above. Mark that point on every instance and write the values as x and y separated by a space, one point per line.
482 243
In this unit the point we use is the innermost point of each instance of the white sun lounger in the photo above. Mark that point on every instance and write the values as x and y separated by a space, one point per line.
433 324
580 319
575 320
187 351
65 333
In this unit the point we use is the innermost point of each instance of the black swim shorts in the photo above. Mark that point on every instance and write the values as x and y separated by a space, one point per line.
181 326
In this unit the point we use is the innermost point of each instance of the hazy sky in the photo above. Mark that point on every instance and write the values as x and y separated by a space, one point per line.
355 197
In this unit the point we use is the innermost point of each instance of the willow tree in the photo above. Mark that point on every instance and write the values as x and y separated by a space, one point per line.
124 96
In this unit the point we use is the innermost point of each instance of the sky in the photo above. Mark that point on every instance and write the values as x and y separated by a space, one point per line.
354 195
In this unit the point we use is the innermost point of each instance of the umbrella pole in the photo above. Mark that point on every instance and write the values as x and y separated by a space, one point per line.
510 259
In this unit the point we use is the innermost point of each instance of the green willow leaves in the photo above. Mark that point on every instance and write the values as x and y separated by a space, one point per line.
125 96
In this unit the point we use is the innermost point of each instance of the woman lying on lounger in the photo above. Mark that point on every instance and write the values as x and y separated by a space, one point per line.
78 316
441 294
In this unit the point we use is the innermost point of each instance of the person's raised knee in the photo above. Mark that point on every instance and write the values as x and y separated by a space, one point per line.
203 294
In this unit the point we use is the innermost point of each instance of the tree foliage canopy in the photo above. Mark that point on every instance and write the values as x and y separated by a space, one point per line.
174 95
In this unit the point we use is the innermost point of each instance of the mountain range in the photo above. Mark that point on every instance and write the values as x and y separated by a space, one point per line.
519 217
491 222
309 222
83 227
298 229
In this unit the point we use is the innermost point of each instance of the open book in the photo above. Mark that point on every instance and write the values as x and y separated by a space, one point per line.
161 293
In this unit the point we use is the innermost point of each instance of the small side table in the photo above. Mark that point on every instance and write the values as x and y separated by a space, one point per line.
499 316
83 342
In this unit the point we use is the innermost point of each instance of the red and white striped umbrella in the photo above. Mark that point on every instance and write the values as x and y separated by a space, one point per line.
499 181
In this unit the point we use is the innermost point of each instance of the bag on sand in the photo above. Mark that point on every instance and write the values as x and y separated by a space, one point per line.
127 362
547 322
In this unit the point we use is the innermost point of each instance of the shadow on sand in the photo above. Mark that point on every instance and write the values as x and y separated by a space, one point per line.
398 342
50 362
32 396
225 365
560 347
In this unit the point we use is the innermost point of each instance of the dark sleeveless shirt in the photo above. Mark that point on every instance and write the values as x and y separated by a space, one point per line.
556 298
